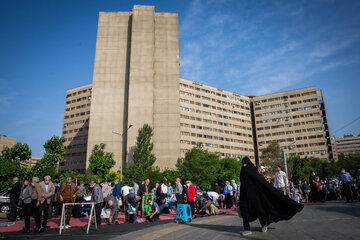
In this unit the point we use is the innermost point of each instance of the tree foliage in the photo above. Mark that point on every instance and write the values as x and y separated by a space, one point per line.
350 162
100 161
270 157
19 152
143 156
199 166
230 168
54 154
299 168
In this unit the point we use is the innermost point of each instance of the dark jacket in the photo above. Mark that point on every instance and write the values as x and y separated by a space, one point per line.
143 189
14 192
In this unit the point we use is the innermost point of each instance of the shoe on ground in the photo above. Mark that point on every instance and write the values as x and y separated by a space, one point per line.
246 233
41 230
46 228
67 226
264 229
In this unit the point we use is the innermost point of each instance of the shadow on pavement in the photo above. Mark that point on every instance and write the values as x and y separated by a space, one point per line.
351 209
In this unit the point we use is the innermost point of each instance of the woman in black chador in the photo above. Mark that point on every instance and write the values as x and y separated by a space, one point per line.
260 200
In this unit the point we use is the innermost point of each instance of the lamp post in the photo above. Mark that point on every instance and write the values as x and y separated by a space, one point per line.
69 162
122 134
285 165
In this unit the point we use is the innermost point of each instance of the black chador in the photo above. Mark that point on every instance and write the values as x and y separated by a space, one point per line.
260 200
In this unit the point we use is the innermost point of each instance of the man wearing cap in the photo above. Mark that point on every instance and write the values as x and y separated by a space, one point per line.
67 194
261 170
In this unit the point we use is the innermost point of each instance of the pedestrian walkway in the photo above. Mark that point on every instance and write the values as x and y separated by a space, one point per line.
80 222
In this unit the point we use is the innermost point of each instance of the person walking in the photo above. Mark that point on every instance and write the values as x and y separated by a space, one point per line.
47 191
35 202
25 197
346 181
178 191
14 194
281 182
67 193
260 200
98 200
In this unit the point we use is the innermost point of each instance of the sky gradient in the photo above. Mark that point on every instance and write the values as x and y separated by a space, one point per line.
248 47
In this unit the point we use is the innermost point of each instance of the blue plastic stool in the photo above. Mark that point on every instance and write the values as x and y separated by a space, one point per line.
182 213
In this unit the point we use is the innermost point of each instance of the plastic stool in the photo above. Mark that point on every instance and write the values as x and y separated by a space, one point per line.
182 213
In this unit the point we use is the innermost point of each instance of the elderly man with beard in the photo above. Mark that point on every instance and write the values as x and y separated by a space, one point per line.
67 193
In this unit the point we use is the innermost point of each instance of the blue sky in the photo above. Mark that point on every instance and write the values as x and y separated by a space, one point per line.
249 47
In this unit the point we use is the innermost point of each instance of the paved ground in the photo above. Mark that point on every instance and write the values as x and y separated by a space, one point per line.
330 220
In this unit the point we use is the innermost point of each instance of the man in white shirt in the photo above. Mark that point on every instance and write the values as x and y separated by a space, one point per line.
281 181
235 192
125 190
213 196
163 190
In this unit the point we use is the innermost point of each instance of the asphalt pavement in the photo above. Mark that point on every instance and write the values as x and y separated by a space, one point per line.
328 220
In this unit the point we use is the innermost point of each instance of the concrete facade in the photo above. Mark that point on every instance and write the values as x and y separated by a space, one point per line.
76 126
136 81
348 144
6 141
296 119
219 119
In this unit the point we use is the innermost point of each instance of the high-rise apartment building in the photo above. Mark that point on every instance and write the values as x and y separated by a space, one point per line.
296 119
76 127
348 144
6 141
218 119
136 81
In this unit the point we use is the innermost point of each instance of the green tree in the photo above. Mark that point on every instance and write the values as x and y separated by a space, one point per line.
170 175
132 172
299 168
270 157
143 156
199 166
350 162
230 168
100 161
19 152
54 154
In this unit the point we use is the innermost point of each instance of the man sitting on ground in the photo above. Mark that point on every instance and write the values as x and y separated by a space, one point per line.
209 208
154 215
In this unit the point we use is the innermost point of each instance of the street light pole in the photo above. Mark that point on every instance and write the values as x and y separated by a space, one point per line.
121 162
286 170
69 161
285 167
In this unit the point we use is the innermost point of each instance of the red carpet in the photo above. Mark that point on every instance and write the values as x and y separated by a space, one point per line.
79 222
